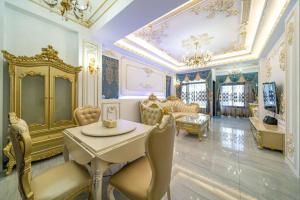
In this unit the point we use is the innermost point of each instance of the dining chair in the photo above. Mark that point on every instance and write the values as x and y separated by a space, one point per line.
86 115
148 178
65 181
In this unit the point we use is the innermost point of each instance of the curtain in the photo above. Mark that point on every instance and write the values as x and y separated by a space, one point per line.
194 92
197 76
168 85
250 81
110 78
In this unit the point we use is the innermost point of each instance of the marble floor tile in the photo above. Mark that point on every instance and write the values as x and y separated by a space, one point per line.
226 165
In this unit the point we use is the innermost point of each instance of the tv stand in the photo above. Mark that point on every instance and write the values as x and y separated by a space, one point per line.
267 136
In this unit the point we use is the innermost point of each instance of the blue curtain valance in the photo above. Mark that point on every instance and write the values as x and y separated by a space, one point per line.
250 77
192 75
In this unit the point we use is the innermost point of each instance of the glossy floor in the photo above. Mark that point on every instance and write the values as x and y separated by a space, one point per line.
225 165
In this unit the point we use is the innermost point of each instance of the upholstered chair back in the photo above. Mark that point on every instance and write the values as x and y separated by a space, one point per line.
86 115
21 141
152 114
159 150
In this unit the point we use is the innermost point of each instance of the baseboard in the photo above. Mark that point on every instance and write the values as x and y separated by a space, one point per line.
291 166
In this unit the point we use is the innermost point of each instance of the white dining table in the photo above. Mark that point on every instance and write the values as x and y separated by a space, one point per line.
101 152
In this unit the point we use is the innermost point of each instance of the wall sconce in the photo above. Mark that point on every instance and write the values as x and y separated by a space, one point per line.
177 84
90 57
92 66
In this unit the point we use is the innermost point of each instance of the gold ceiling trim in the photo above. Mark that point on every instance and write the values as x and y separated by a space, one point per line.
138 52
216 6
86 23
150 34
107 9
201 40
99 7
240 45
149 31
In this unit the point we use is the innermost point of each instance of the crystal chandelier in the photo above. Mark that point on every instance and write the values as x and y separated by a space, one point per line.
198 59
78 7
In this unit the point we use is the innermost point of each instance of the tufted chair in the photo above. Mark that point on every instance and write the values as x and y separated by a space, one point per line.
148 178
151 115
86 115
65 181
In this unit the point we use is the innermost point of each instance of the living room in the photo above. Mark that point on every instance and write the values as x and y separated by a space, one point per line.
173 99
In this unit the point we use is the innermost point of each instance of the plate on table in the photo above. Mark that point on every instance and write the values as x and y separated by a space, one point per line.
97 130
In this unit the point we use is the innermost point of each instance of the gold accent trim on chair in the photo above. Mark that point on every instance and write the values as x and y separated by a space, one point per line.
152 172
35 188
86 115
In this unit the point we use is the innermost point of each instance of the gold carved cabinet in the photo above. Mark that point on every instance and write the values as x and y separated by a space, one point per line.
43 92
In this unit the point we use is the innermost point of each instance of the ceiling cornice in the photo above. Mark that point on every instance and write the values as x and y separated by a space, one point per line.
252 52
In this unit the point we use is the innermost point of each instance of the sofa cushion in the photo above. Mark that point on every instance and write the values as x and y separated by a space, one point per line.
151 115
177 115
194 108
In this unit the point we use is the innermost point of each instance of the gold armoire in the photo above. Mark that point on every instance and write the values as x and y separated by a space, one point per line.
43 92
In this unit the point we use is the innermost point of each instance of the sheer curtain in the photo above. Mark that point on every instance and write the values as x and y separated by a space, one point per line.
232 99
194 92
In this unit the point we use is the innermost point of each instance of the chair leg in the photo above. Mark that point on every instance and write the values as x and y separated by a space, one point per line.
90 195
110 192
169 193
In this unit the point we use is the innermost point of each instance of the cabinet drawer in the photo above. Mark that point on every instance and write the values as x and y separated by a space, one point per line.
47 143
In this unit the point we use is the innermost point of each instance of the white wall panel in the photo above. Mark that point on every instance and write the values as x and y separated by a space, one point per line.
26 34
293 90
138 79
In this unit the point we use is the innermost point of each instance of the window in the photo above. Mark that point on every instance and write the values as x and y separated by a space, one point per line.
194 92
232 95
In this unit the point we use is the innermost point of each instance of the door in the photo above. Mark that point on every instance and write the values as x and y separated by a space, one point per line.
62 98
32 96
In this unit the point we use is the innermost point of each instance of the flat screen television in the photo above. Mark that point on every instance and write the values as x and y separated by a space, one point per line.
270 98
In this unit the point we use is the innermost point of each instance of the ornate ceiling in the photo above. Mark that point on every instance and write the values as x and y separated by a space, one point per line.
226 28
97 10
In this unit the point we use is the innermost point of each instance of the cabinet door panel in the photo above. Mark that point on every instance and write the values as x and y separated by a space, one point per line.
32 96
62 98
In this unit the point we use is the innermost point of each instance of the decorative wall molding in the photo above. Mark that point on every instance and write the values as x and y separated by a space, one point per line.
268 68
111 111
138 79
90 81
290 33
282 58
293 89
290 145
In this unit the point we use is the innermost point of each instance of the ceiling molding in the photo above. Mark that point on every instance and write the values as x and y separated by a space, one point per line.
102 7
244 50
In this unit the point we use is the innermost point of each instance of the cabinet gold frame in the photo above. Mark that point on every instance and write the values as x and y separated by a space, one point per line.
47 138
